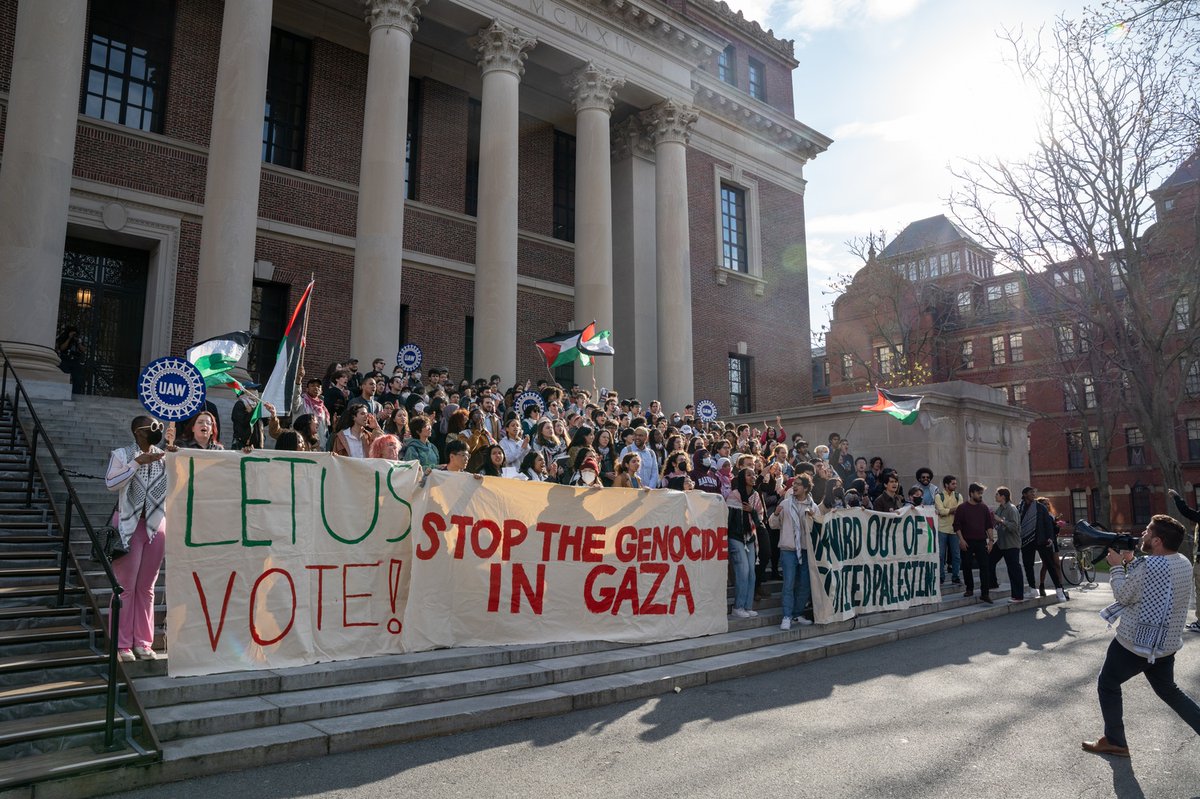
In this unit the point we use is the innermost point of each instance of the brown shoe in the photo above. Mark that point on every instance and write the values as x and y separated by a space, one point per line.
1103 747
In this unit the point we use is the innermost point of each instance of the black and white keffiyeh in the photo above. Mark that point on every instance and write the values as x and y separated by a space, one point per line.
1153 608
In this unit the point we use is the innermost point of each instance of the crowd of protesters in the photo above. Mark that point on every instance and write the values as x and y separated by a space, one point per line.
773 485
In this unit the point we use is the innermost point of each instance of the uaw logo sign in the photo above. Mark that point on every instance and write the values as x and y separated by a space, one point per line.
706 410
409 358
171 389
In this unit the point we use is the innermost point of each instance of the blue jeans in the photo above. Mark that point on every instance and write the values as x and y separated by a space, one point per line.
1122 665
797 585
949 543
741 555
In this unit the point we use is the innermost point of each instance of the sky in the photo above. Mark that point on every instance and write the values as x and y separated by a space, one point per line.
906 89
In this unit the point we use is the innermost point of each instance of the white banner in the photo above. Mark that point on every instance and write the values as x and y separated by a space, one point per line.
863 561
502 561
284 558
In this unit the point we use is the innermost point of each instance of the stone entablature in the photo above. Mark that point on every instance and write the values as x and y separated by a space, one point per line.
767 38
780 129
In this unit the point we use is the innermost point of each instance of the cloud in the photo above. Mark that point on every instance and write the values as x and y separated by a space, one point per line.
809 15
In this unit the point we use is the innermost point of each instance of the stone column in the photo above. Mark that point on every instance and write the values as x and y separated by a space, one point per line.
35 185
225 274
592 91
669 125
502 53
379 235
635 289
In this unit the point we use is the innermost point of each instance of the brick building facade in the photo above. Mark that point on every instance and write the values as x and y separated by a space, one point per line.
141 169
932 300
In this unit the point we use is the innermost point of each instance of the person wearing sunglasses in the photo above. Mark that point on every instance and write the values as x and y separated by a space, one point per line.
137 473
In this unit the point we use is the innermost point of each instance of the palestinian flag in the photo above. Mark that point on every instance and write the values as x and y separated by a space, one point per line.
903 406
599 344
562 348
216 356
281 387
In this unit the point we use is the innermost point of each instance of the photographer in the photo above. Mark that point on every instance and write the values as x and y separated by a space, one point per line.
1152 597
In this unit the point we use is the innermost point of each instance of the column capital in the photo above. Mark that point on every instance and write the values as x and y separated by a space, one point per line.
503 47
630 138
669 121
592 86
400 14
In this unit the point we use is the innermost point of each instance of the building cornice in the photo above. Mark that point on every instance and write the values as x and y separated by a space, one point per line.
758 118
750 28
671 33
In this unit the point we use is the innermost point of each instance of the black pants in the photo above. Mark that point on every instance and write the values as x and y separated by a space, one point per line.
1012 562
1046 553
1119 666
766 553
976 556
994 557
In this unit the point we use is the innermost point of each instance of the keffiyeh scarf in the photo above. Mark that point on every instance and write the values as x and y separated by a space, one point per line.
1153 610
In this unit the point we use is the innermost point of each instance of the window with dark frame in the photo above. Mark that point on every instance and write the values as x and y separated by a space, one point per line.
1193 439
564 186
1139 504
1079 505
268 312
739 384
1135 446
756 76
129 52
1191 380
734 254
968 354
285 117
412 139
1018 393
847 367
726 65
998 353
1016 347
403 324
1074 450
469 349
471 201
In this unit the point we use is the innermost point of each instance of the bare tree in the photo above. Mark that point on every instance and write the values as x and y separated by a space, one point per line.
1120 116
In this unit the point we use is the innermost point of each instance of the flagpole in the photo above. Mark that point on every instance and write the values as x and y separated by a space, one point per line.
312 281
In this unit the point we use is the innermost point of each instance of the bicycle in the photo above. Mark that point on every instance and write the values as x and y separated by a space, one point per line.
1076 565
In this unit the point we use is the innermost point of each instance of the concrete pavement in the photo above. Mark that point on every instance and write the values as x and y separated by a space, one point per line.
990 709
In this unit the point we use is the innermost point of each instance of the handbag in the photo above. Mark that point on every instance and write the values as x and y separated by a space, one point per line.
110 537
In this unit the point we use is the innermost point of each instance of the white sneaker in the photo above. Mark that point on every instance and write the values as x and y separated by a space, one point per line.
750 613
144 653
125 656
1193 627
786 624
741 614
803 622
1062 596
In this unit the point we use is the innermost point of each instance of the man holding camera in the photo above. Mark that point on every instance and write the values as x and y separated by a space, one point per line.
1152 598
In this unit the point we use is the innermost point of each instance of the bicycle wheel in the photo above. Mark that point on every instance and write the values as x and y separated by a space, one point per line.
1086 566
1070 568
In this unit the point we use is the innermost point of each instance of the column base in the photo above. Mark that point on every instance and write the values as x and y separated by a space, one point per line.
37 366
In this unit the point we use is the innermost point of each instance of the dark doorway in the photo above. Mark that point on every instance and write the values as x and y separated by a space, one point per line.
104 295
268 317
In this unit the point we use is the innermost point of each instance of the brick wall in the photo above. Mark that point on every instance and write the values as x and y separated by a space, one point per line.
337 94
8 35
193 79
442 153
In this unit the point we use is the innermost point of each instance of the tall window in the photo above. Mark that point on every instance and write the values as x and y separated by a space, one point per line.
268 307
968 354
886 360
1070 396
1018 393
129 50
847 367
739 384
994 294
1079 505
964 302
734 254
471 201
726 65
469 349
1183 313
403 323
1075 450
1065 336
1016 347
757 80
564 186
286 113
1135 446
1191 381
1089 393
412 139
1193 439
1139 504
998 356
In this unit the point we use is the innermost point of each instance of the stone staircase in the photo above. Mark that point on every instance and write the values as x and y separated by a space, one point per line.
224 722
54 665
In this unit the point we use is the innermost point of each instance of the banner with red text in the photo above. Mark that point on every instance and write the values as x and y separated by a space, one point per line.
864 561
284 558
501 561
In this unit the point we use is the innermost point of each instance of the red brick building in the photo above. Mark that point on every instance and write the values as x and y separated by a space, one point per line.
151 259
931 307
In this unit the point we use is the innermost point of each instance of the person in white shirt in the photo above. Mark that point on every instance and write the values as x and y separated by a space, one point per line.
648 472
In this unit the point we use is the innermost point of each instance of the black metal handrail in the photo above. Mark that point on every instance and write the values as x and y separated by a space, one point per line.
64 524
